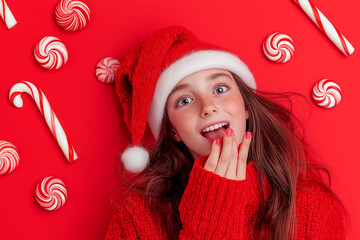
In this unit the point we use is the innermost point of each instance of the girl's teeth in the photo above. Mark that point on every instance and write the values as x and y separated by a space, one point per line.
216 126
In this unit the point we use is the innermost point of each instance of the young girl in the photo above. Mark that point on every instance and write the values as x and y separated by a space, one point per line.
226 164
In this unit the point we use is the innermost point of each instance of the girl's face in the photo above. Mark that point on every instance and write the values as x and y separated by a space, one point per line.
199 106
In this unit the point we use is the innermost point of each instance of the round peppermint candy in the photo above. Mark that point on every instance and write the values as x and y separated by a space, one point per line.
326 93
105 70
51 193
9 157
72 15
278 47
51 53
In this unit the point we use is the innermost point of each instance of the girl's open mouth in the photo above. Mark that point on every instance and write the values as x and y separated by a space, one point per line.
216 131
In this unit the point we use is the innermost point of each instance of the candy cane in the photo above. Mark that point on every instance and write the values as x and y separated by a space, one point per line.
325 26
47 112
6 15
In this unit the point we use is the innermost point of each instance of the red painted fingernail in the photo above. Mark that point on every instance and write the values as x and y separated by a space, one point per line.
248 134
229 132
218 141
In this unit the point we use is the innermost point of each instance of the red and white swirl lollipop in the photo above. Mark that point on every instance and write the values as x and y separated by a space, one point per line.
9 157
72 15
326 93
51 53
278 47
51 193
106 68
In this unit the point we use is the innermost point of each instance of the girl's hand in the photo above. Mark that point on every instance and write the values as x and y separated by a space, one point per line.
225 160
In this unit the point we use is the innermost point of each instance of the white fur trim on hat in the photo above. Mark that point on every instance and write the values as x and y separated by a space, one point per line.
135 159
183 67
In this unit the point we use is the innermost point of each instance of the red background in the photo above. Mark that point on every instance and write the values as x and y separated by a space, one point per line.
89 111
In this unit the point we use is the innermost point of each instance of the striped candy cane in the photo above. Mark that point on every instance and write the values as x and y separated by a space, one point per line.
325 26
6 15
47 112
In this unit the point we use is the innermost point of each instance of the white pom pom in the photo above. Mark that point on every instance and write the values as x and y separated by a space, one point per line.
135 159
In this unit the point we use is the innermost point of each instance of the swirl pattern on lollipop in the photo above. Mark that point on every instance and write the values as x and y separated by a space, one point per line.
51 193
278 47
326 93
50 53
106 68
72 15
9 157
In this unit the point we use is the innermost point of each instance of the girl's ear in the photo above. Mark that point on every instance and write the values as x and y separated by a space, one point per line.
175 135
247 114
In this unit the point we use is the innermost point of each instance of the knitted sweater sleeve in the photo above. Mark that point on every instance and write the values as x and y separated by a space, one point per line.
211 207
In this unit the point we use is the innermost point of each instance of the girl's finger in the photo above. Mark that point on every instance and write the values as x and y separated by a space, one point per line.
242 157
225 155
213 158
231 170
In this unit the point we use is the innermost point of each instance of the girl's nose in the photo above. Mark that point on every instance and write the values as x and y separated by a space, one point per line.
207 108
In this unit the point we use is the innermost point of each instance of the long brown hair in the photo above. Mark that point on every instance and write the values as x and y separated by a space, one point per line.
279 154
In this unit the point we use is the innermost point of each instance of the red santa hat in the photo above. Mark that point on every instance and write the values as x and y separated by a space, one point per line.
152 69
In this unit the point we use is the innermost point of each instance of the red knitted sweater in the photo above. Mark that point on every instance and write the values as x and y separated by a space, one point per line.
213 207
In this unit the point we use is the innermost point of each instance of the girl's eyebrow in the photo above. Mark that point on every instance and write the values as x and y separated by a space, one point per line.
209 78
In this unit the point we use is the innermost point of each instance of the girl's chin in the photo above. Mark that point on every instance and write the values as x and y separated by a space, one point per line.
205 150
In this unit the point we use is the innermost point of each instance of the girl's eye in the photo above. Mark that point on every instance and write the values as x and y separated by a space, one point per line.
184 101
220 89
